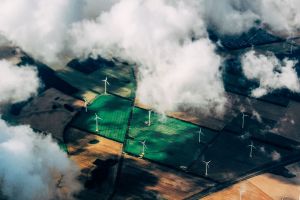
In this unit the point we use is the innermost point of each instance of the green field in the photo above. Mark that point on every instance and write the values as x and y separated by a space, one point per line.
121 79
114 112
168 140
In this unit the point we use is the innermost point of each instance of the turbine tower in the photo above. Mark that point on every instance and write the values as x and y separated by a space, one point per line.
96 120
199 135
144 147
206 167
105 85
85 104
149 117
251 149
243 119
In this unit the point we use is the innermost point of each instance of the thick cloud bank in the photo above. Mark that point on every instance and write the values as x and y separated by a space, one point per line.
166 38
279 15
38 27
229 16
31 166
17 83
270 72
236 16
174 69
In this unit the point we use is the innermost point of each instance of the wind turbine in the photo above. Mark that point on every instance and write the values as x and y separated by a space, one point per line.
199 134
251 149
206 167
96 120
105 85
144 147
243 119
149 117
85 104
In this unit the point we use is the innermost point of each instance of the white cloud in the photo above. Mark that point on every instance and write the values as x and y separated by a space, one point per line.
28 169
280 15
17 83
39 27
235 16
92 8
153 33
29 163
174 71
270 73
229 16
191 80
3 41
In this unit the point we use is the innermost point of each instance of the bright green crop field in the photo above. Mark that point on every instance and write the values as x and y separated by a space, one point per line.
168 141
114 113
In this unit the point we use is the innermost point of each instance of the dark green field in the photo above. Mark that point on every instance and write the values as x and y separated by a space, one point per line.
114 112
121 79
169 141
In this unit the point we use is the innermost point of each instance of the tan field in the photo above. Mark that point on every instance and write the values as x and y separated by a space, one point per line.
141 179
242 191
84 149
279 187
266 186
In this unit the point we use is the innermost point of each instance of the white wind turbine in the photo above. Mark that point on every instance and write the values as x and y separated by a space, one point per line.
149 117
199 135
243 119
144 147
85 104
105 85
206 167
97 123
251 149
